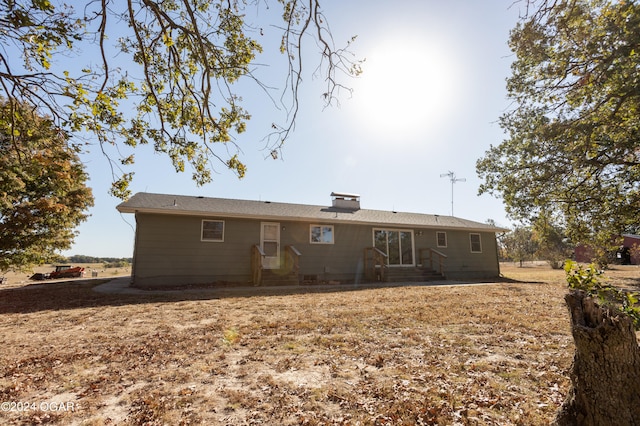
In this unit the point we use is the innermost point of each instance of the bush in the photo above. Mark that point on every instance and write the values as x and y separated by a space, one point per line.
588 280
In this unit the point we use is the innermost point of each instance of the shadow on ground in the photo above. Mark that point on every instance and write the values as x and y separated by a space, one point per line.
79 294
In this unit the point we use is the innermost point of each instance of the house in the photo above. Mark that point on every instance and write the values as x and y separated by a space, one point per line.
199 240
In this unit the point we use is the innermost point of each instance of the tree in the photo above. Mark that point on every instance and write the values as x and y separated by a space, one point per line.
519 244
177 91
552 244
606 354
605 374
573 146
43 192
572 152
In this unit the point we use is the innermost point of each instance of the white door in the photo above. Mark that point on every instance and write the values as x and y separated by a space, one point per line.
270 243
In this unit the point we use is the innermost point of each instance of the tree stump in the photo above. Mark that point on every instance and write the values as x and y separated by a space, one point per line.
605 374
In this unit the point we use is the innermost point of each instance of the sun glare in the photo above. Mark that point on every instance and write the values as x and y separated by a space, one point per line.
406 87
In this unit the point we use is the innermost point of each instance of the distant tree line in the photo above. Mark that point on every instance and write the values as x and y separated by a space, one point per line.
109 262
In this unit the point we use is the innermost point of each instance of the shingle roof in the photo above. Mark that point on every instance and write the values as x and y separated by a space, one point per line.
222 207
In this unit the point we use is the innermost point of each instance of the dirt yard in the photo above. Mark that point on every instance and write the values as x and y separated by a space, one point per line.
483 354
20 279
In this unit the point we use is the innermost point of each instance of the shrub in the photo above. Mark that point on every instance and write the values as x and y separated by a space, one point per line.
588 280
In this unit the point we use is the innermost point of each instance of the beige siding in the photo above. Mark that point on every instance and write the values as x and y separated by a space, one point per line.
461 263
339 261
169 251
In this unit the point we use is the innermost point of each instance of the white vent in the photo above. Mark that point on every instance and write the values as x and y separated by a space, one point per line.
343 200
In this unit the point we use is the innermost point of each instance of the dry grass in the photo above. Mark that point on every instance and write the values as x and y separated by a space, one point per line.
470 355
20 279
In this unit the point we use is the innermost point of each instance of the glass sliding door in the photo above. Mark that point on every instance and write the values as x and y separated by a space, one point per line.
406 247
396 244
380 240
393 244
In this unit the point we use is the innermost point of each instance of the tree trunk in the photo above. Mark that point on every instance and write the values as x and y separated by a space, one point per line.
605 374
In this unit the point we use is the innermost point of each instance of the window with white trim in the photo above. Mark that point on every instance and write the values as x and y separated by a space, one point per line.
321 234
476 243
212 230
441 238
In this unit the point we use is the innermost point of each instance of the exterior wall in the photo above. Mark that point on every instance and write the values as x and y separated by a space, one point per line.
169 251
632 243
583 254
461 263
341 261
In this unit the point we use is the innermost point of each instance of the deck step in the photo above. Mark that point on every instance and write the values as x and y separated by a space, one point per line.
278 277
412 275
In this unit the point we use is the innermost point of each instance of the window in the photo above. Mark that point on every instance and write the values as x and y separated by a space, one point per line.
441 238
212 230
321 234
476 245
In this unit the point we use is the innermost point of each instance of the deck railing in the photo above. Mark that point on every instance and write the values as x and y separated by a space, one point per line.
292 260
256 264
291 263
375 264
435 258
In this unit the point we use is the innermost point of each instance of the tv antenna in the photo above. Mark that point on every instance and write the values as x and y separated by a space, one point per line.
452 177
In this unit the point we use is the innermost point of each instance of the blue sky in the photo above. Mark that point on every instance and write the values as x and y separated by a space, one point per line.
428 102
